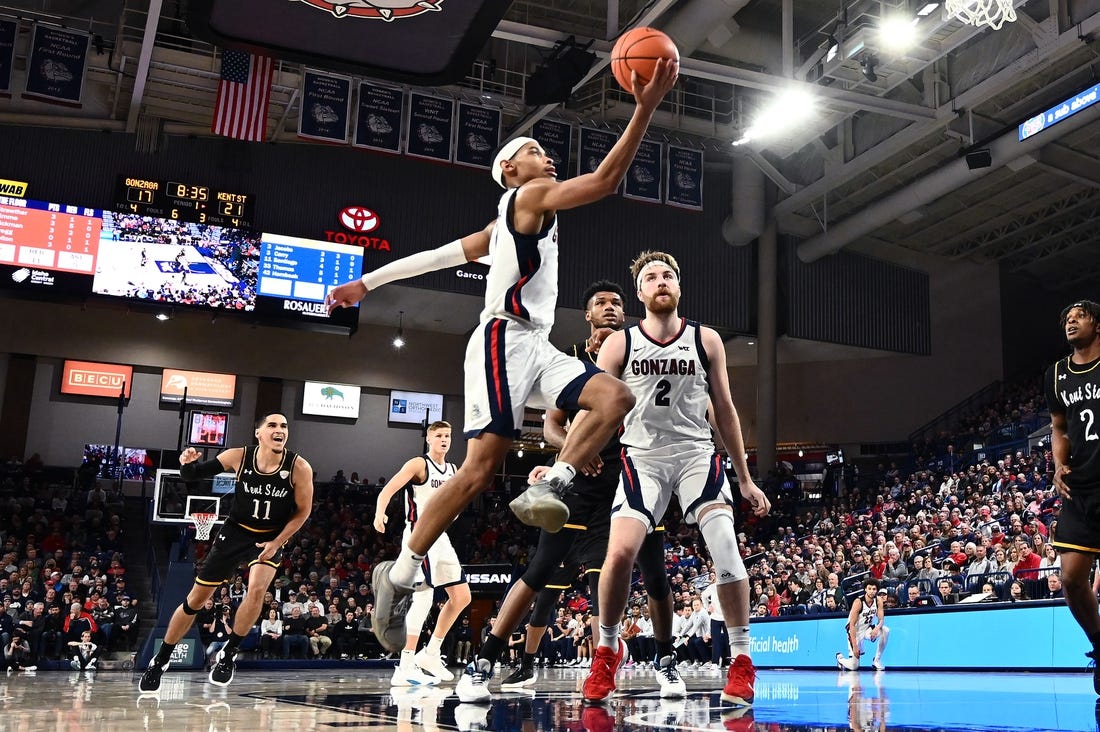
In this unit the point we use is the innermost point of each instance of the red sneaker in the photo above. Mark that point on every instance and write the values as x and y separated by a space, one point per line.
600 681
596 719
739 719
740 682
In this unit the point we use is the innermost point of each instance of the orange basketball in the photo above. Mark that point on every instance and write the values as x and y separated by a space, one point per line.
638 50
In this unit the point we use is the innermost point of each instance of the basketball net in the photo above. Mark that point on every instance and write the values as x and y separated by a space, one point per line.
203 523
993 13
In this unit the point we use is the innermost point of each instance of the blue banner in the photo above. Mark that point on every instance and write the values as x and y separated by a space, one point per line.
556 139
643 179
1059 112
8 28
594 147
431 120
325 108
684 187
378 123
55 69
478 135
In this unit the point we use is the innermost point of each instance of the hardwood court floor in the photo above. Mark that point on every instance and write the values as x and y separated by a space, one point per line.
798 701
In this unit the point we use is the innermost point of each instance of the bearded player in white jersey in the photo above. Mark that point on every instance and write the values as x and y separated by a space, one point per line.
510 361
421 477
676 370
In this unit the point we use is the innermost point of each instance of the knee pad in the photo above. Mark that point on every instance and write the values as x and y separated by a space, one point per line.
187 609
419 608
721 538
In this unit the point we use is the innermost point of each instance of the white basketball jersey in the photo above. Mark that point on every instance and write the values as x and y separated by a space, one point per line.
669 383
868 614
417 494
522 284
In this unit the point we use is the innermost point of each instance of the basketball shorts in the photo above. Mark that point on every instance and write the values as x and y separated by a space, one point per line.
863 635
233 546
692 472
440 567
1078 528
510 366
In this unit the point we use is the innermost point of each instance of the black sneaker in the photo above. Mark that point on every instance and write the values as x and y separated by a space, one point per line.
520 678
150 680
1095 670
224 666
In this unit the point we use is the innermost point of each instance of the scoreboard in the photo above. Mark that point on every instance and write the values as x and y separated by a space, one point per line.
182 201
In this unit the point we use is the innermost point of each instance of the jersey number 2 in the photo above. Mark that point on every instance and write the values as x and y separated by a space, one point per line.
661 398
256 510
1087 416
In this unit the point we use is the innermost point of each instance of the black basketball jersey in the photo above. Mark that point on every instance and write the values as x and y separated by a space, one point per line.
613 449
264 501
1074 390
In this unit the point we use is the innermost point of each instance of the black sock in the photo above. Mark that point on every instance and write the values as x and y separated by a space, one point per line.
664 648
164 653
528 660
491 648
233 644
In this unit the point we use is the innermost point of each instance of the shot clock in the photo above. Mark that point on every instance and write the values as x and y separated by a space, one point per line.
183 201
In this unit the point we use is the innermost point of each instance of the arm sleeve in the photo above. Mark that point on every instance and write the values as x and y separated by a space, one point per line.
448 255
197 471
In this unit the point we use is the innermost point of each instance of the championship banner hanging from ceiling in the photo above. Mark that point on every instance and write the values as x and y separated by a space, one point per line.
684 187
431 120
325 108
477 135
8 29
56 66
378 118
643 178
594 147
556 139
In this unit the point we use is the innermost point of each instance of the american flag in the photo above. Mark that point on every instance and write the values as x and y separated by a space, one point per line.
243 94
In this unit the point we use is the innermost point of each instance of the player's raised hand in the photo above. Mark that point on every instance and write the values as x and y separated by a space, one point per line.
345 295
664 78
189 455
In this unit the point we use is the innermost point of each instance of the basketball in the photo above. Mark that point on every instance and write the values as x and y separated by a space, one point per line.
638 50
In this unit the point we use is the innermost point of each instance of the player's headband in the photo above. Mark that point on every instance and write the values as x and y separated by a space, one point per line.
507 153
655 263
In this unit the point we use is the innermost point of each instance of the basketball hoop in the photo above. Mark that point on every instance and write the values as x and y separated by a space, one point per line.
993 13
203 523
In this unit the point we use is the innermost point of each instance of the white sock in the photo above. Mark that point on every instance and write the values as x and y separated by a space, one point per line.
609 637
407 659
435 645
739 641
562 471
403 572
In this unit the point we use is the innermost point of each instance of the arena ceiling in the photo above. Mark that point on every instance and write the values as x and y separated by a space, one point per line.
880 162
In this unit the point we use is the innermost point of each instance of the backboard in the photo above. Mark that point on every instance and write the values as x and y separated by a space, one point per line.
174 504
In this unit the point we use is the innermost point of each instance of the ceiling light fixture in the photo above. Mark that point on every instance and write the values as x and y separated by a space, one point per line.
868 63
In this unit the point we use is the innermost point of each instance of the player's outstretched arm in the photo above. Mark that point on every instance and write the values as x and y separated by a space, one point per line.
413 469
192 469
453 254
545 194
728 422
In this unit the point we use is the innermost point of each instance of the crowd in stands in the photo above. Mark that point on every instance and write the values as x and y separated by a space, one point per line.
952 525
63 592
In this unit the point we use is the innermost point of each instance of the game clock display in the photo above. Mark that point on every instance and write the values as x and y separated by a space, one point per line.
183 201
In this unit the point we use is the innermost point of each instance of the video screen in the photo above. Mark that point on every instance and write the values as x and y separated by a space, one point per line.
103 458
208 429
177 263
139 463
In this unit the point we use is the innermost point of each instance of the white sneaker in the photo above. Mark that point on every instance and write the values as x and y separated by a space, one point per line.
847 663
672 685
410 675
473 686
877 664
432 663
